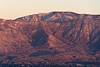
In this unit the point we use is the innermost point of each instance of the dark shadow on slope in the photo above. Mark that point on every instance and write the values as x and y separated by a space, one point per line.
44 53
39 38
94 43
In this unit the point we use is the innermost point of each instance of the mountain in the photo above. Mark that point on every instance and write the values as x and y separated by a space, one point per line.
55 37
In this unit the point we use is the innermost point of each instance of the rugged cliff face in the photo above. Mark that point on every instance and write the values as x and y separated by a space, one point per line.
49 37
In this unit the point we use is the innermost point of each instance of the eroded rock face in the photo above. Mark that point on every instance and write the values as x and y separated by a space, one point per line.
63 36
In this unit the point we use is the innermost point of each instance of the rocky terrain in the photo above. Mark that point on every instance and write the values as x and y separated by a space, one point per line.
55 37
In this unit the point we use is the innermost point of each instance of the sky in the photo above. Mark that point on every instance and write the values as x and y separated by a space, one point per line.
10 9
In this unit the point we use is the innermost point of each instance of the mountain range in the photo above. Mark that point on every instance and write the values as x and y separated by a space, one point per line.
54 37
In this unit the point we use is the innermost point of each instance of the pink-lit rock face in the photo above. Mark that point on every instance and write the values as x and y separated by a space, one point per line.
63 36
